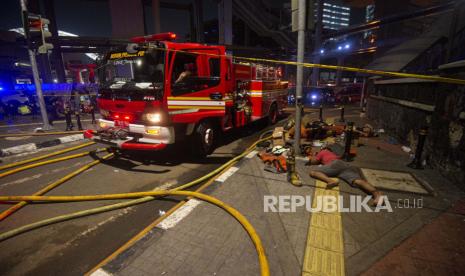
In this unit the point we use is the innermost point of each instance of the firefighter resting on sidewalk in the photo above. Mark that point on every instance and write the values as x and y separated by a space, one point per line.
332 166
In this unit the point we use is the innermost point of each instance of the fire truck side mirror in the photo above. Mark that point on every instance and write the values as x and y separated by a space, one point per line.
132 48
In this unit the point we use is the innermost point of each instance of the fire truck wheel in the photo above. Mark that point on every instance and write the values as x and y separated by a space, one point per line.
273 114
204 138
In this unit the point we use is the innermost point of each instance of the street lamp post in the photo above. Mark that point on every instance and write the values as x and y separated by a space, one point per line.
299 77
316 49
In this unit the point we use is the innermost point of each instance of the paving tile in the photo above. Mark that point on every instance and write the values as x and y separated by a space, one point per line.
209 241
436 249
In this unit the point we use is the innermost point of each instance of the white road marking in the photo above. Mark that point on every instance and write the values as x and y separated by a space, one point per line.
167 185
190 205
22 180
71 138
13 138
59 169
38 150
95 227
100 272
251 154
31 147
123 212
20 149
179 214
227 174
36 176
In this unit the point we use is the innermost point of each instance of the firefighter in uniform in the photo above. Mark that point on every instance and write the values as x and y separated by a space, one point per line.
92 112
69 123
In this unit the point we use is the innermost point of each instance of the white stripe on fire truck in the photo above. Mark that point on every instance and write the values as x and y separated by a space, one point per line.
197 103
268 91
183 111
195 106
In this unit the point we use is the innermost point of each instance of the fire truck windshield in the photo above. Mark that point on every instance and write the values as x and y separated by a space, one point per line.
141 70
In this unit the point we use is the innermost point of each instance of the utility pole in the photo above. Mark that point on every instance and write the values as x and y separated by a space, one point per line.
35 72
299 77
317 46
225 22
156 15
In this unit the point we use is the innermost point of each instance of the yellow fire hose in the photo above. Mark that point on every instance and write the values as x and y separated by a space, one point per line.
15 164
53 185
264 268
41 133
14 232
214 172
49 162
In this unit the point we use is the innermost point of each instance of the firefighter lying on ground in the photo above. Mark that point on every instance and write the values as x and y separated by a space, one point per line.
332 166
317 131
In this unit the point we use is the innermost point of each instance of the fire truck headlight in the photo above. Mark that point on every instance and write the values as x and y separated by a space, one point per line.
154 117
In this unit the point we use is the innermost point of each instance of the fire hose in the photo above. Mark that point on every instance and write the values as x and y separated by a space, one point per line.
34 165
15 164
145 197
264 267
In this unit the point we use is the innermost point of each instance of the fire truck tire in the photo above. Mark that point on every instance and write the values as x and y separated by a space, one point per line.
204 138
273 114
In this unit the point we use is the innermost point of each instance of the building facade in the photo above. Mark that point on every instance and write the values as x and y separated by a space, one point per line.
336 15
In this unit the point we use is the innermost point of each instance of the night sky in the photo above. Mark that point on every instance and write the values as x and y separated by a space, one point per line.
92 18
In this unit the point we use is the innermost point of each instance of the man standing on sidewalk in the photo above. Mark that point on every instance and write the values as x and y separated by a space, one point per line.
332 166
69 123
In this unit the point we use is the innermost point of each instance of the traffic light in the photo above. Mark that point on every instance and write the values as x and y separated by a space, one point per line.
37 31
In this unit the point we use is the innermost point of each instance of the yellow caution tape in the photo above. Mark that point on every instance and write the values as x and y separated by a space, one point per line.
330 67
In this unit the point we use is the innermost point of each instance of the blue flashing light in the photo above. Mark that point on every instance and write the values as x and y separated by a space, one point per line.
339 48
53 87
322 51
46 87
1 88
347 46
314 96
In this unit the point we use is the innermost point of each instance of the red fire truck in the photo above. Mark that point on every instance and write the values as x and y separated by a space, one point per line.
157 92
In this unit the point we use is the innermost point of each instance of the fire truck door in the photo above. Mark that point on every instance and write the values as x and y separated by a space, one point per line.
197 89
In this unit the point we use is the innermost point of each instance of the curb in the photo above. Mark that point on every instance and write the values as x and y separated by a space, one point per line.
35 146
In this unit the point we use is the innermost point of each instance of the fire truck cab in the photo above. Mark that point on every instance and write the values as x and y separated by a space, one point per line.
157 92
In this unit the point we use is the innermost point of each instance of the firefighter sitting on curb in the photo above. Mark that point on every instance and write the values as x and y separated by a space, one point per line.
332 166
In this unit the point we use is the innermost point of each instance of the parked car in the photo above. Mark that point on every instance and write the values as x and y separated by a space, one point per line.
318 95
15 98
349 94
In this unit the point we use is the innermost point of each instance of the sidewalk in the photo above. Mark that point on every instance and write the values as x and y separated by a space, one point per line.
31 126
201 239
